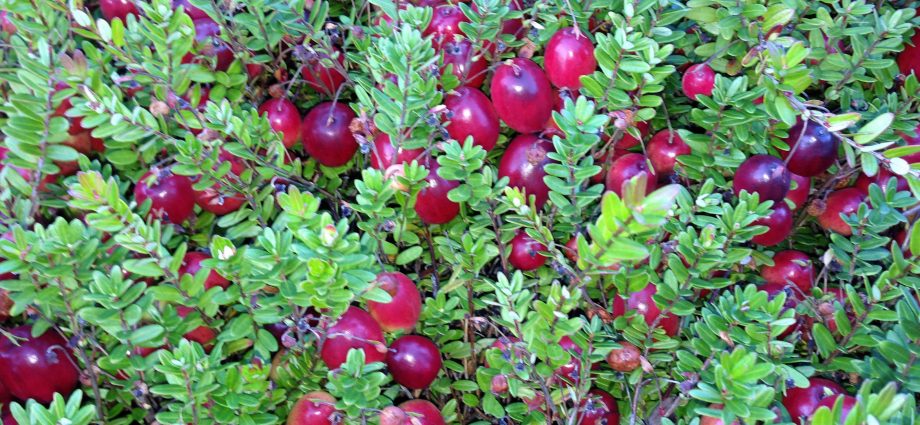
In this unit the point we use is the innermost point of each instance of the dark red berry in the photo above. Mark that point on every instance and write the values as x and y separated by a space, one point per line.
523 163
569 373
525 252
315 408
191 264
522 95
628 141
844 201
793 267
326 135
472 115
880 178
117 9
37 367
355 329
642 303
625 359
445 24
202 334
625 168
813 149
422 412
392 415
801 403
599 408
765 175
698 79
469 67
569 55
403 311
414 361
385 155
210 45
216 199
432 204
799 195
322 79
909 58
663 150
846 406
171 195
779 226
284 118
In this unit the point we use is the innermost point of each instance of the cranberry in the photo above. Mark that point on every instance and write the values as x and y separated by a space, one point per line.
472 115
254 70
422 412
8 419
779 226
431 203
385 155
202 334
569 55
625 359
460 54
191 264
912 141
403 311
523 163
210 45
909 58
525 252
117 9
445 24
570 372
214 199
315 408
192 11
847 405
5 24
322 79
37 367
828 310
284 118
881 179
392 415
522 95
790 267
663 150
355 329
765 175
599 408
625 168
171 195
799 195
5 396
628 141
326 135
698 79
642 303
813 149
414 361
709 420
801 403
844 201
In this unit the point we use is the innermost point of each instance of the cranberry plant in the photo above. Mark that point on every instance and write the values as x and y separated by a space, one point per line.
443 211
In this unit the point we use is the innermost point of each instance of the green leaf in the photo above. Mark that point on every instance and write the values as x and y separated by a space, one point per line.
874 128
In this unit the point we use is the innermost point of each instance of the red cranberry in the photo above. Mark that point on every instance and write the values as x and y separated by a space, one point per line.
881 179
5 396
191 264
522 95
284 118
5 24
912 141
432 204
847 405
355 329
790 267
7 419
828 310
801 403
326 135
779 226
816 149
422 412
322 79
210 45
254 70
628 141
599 408
525 252
414 361
909 58
171 195
523 163
384 154
698 79
403 311
570 372
569 55
37 367
625 359
202 334
642 303
117 9
392 415
799 195
192 11
625 168
460 54
765 175
844 201
315 408
445 24
472 115
663 150
215 199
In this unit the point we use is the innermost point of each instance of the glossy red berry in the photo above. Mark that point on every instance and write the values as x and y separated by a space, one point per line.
192 11
191 264
468 66
315 408
569 55
385 155
5 396
799 195
625 168
392 415
625 359
523 163
698 79
432 204
569 373
37 367
202 334
642 303
793 267
880 178
218 200
801 403
326 135
414 361
813 149
628 141
599 408
422 412
663 150
445 24
7 419
765 175
849 402
403 311
472 114
324 79
844 201
171 195
522 95
117 9
210 45
355 329
284 118
525 252
909 58
779 226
